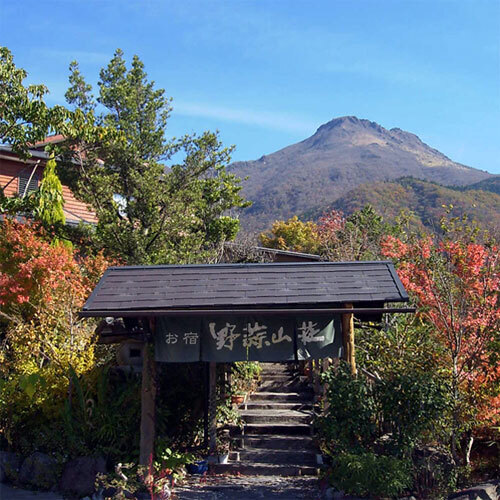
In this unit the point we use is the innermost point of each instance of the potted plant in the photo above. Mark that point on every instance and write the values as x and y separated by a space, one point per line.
220 455
223 446
238 398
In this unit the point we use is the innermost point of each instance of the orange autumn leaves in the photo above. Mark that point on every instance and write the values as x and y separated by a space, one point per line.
456 285
34 273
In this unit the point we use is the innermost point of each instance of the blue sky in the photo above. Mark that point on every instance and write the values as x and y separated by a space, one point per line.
267 73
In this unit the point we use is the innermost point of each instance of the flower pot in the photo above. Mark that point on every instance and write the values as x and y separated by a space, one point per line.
197 468
237 399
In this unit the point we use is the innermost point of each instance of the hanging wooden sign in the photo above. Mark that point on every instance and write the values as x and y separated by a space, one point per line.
247 338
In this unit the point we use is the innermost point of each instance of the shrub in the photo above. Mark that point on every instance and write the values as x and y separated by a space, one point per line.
371 474
371 430
397 411
349 422
42 287
245 375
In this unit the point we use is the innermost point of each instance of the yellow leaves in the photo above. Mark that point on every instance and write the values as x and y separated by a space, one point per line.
293 235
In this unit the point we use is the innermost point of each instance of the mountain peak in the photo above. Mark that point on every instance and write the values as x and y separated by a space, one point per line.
350 123
342 154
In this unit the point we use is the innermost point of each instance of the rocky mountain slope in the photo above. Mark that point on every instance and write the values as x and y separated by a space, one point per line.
343 154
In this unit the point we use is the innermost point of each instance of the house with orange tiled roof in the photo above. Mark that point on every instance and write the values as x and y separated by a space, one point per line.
20 176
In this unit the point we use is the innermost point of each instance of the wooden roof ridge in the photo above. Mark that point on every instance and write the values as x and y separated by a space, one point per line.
253 264
275 251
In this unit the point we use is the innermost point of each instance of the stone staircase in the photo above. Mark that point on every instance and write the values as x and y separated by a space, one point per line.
276 438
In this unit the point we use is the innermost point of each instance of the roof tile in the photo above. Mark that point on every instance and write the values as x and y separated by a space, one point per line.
321 284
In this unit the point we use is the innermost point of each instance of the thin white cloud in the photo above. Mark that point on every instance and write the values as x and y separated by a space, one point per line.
263 119
82 56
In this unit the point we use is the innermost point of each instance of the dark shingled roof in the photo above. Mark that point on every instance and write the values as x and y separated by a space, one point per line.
244 286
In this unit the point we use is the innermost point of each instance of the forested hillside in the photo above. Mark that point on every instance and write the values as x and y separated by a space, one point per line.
492 184
425 199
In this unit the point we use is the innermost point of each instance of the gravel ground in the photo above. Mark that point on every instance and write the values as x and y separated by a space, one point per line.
249 488
216 487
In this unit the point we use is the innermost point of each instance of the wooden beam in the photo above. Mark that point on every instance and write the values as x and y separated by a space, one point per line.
118 339
348 338
133 313
212 407
148 405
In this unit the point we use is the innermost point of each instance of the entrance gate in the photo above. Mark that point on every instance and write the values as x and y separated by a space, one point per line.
236 312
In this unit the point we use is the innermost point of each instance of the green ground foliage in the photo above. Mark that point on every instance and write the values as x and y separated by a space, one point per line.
369 474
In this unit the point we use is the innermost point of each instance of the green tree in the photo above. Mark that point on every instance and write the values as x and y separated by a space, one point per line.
25 119
50 204
24 116
148 213
334 237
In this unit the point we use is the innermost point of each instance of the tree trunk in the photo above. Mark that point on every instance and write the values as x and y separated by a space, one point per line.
148 406
455 416
468 448
348 338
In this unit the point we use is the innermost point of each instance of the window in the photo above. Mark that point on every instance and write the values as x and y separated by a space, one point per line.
23 187
134 352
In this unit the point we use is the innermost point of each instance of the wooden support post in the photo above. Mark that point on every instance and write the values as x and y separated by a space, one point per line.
325 365
348 338
206 376
230 377
148 405
212 408
310 373
317 377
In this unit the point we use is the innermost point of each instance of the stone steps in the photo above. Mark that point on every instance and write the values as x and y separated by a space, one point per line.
276 437
277 396
288 429
291 385
276 416
268 456
270 405
256 469
276 442
281 377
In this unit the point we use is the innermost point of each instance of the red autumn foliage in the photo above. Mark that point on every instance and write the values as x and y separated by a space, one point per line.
34 272
456 284
330 223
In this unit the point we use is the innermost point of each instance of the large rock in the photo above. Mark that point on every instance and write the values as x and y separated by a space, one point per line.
79 476
39 471
9 466
484 491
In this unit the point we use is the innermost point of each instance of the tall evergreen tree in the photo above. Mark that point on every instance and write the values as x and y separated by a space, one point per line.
148 212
